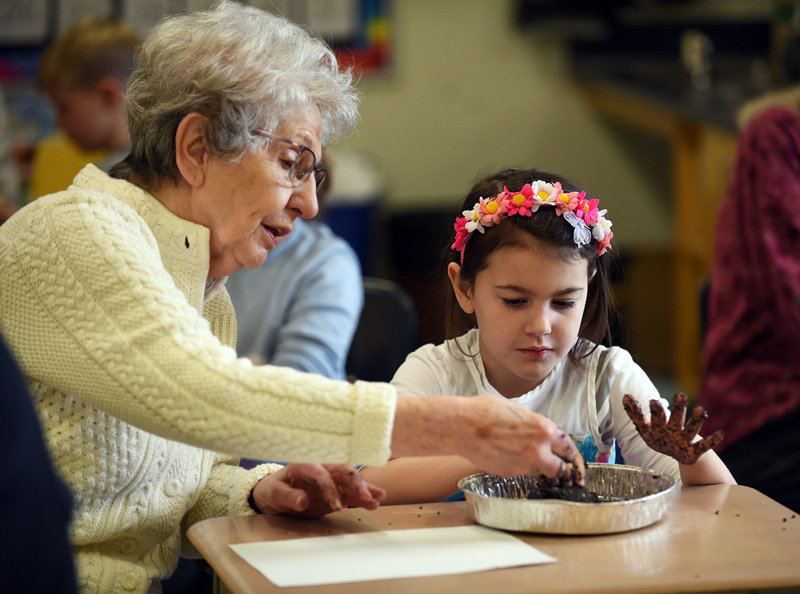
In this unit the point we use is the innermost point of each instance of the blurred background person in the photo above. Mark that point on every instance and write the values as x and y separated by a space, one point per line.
83 72
9 176
751 380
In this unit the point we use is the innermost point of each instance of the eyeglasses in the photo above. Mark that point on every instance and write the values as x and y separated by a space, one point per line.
299 161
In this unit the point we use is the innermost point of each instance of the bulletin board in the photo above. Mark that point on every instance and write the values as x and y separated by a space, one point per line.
359 31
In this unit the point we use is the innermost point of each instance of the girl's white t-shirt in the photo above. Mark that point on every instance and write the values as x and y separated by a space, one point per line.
584 401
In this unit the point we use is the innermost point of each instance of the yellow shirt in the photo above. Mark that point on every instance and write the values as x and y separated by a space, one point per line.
56 162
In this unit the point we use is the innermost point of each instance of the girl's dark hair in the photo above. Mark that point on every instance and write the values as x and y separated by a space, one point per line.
544 227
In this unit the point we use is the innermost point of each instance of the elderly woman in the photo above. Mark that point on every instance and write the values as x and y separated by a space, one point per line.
112 299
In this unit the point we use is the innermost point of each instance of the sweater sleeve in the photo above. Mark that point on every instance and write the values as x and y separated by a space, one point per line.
225 494
89 309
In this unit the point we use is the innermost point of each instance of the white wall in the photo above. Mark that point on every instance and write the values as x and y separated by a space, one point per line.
469 92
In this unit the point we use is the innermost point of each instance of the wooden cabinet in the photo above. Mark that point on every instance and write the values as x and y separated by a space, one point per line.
701 159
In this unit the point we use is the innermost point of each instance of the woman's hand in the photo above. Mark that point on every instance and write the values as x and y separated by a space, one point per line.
498 435
672 437
313 490
510 440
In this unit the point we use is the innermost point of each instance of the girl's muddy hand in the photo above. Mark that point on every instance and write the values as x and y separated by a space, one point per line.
672 437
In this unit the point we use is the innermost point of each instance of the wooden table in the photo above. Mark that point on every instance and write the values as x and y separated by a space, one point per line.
717 538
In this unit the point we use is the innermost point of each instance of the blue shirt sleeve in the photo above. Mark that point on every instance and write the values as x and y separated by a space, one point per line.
322 318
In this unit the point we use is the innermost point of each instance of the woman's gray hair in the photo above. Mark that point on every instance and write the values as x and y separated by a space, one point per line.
240 67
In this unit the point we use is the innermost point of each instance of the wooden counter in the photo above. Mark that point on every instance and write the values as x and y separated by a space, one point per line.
717 538
702 156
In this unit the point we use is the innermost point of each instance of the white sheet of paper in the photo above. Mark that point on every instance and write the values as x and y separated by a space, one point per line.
387 554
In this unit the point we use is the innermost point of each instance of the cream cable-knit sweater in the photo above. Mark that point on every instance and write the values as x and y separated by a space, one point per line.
129 357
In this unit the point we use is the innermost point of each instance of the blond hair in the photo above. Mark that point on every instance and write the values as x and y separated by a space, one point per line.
93 48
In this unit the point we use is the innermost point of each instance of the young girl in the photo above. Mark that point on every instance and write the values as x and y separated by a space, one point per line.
528 310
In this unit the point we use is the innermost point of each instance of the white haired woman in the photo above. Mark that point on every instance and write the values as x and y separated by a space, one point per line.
112 299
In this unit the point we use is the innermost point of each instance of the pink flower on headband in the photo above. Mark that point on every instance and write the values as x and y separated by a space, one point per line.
605 243
461 234
520 202
568 202
587 210
490 211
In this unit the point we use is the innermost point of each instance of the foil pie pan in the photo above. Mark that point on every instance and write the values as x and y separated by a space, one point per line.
630 498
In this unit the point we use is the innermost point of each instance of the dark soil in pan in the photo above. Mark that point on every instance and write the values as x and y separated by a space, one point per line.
573 493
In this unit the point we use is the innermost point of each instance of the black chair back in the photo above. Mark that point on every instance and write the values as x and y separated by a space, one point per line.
386 332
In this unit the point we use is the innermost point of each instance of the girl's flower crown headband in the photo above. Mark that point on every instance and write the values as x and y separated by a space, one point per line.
579 212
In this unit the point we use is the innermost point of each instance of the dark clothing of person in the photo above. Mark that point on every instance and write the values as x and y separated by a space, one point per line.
766 460
36 504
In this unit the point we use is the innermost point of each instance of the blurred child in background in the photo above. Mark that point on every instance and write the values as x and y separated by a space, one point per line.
9 176
83 72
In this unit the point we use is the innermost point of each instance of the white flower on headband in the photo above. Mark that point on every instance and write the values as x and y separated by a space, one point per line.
473 220
542 193
602 227
545 193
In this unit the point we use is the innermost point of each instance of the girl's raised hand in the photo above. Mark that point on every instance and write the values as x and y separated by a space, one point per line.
672 437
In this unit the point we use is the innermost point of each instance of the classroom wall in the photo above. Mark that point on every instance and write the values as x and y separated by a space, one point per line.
469 92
